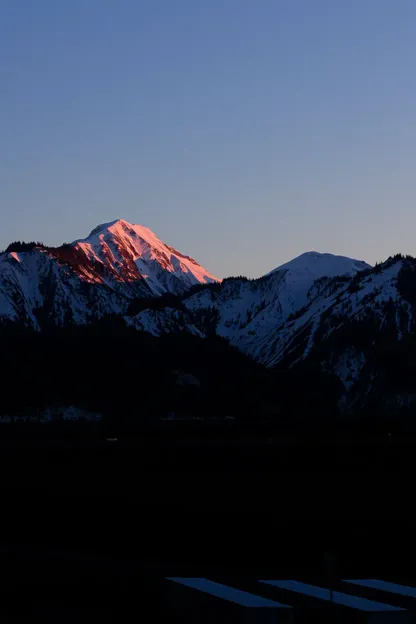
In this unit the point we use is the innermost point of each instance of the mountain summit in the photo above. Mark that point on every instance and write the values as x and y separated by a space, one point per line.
132 253
315 265
91 277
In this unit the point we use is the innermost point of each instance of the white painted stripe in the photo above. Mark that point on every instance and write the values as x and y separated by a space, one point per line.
243 598
393 588
363 604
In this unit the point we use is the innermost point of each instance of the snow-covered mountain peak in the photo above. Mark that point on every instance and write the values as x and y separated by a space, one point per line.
102 227
134 255
117 227
313 264
93 276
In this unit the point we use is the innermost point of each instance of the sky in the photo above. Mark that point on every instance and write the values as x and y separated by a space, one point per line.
242 132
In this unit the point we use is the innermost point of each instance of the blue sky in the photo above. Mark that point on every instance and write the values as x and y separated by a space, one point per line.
243 132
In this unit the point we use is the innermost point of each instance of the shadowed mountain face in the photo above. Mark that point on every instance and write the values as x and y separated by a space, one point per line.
357 325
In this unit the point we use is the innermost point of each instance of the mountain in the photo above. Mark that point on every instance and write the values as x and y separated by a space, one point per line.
317 264
135 260
251 313
320 313
362 330
259 305
358 326
91 277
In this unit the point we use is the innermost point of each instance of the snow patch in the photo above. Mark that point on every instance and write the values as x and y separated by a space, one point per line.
349 367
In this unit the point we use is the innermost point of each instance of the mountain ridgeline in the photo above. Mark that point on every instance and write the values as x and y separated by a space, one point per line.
105 322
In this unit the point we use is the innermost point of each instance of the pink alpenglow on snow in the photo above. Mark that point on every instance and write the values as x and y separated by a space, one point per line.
134 252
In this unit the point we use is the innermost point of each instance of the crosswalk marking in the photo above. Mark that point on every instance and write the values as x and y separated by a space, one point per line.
347 600
231 594
393 588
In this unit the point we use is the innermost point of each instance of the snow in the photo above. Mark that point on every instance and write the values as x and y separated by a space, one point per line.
254 315
283 292
349 367
238 596
301 272
122 261
120 244
355 602
159 322
313 264
16 279
21 293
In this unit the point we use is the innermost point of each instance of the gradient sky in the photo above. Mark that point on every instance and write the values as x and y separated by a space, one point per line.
242 132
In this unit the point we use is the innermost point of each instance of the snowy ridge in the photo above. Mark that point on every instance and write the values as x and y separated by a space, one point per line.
158 322
333 321
36 289
315 265
256 308
251 314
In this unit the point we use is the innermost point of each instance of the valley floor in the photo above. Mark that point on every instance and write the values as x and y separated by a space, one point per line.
90 530
36 462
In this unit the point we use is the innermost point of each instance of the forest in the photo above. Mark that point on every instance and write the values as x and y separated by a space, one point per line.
130 377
